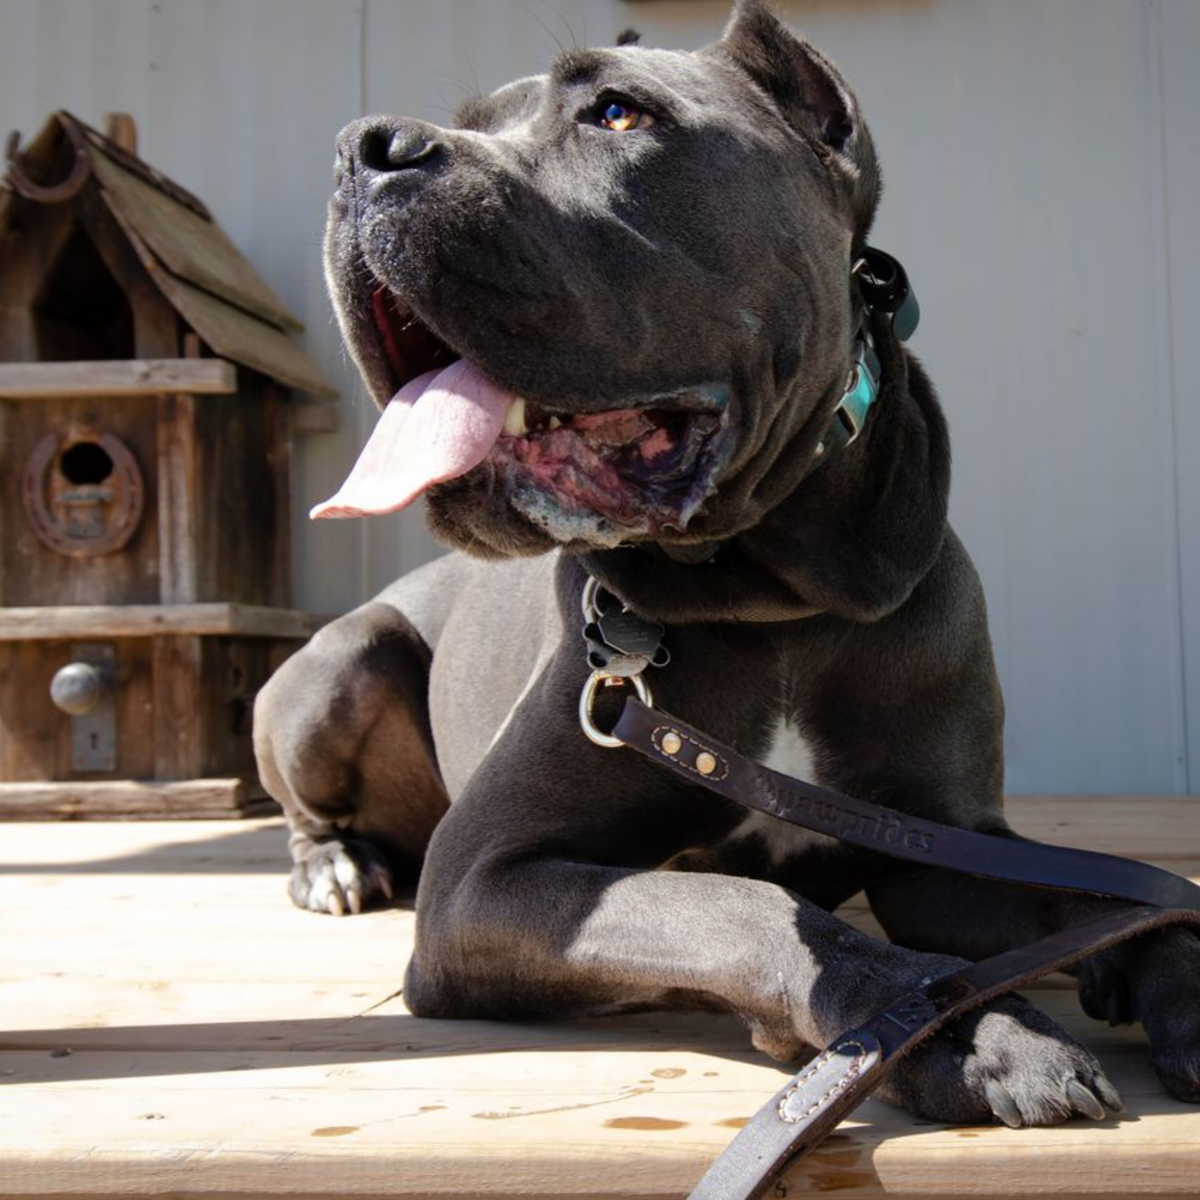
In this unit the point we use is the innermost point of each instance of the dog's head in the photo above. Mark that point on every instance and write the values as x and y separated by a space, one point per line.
612 300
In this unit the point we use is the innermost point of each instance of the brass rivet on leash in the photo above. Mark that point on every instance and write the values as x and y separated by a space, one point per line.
706 764
672 743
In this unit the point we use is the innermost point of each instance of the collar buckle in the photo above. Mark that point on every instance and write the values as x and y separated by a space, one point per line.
862 390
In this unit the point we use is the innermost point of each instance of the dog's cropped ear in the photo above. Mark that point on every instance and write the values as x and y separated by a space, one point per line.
810 93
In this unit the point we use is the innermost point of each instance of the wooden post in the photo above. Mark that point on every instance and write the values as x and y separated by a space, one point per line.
121 129
177 499
179 725
279 463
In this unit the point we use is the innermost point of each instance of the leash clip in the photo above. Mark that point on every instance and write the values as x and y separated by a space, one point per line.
620 646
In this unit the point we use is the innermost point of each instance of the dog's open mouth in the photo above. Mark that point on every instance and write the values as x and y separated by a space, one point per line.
635 469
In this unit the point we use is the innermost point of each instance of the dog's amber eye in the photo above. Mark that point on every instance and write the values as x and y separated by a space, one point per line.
621 118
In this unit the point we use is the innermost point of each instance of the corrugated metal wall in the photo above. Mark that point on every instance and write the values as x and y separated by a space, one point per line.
1042 161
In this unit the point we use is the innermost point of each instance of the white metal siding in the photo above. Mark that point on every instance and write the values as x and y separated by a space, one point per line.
1042 160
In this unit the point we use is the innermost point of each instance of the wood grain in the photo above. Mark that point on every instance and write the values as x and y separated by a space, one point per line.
182 704
178 502
114 378
176 1027
126 799
32 573
147 620
191 247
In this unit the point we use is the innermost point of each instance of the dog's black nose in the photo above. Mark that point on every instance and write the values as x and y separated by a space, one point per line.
381 145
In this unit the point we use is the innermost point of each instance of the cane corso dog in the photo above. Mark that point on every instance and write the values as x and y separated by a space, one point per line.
610 316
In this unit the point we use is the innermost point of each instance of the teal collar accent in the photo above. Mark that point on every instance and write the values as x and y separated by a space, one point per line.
862 390
886 292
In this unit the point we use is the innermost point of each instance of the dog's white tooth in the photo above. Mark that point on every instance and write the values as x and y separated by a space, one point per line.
554 422
514 418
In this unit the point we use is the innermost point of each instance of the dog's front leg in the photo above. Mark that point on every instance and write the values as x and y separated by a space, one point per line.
508 927
1154 979
515 937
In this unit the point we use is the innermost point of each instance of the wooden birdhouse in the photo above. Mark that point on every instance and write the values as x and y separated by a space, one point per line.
146 408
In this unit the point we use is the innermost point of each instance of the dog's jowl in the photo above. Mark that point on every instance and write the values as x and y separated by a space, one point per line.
617 321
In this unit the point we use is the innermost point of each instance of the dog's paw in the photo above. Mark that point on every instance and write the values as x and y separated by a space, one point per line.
1155 980
341 876
1007 1062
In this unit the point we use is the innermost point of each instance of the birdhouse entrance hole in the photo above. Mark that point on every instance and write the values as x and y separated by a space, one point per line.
86 462
83 496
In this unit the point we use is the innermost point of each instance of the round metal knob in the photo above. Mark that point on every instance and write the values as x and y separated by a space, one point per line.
77 688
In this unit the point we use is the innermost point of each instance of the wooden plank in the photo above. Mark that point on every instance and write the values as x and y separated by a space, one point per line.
548 1118
178 502
242 462
117 377
236 334
230 330
165 1007
192 247
180 731
1158 827
277 445
182 707
125 799
33 573
147 620
35 736
173 847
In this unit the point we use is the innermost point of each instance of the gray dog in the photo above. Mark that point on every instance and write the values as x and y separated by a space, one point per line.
611 316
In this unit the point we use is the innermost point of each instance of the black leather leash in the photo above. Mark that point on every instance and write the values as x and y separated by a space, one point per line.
812 1104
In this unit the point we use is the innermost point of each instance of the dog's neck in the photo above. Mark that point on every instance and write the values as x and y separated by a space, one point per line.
852 540
841 430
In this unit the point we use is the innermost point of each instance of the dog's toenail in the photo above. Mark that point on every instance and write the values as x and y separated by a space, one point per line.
1003 1105
1109 1094
1082 1100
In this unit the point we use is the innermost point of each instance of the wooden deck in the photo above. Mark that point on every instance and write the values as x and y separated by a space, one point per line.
177 1029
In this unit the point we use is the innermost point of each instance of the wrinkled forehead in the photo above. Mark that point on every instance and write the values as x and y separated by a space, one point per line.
679 82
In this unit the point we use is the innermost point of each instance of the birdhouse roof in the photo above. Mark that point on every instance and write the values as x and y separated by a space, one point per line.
191 260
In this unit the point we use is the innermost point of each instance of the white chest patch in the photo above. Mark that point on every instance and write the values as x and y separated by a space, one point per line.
792 754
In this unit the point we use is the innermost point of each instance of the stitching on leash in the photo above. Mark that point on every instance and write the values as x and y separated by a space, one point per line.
840 1086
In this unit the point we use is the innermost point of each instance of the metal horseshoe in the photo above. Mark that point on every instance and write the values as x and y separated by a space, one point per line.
55 193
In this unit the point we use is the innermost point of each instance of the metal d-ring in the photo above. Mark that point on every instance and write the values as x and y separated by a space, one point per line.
587 698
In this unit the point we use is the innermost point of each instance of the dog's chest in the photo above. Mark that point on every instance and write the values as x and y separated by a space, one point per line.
794 754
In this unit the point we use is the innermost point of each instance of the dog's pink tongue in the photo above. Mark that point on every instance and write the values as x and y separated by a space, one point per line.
436 427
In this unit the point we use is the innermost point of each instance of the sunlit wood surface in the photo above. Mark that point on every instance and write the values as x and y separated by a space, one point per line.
175 1027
